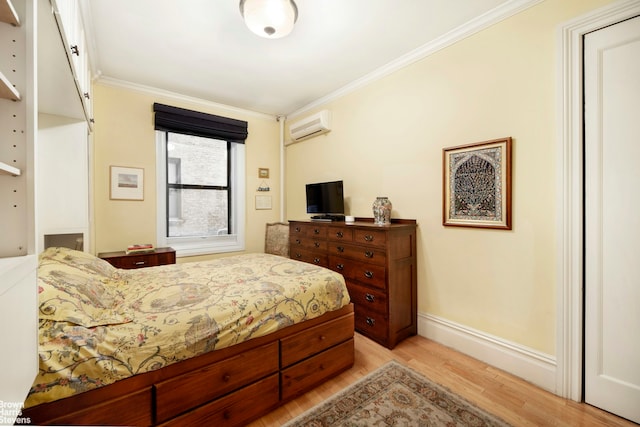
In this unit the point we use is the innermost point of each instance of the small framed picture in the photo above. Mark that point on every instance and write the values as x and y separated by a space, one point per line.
126 183
477 185
263 173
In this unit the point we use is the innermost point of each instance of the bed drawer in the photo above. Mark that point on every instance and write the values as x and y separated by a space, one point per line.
203 385
236 409
305 375
132 410
314 340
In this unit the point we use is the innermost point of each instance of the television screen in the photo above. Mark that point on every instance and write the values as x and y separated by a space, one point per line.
325 198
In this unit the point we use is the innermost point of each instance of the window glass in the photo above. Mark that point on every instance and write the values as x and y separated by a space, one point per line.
200 194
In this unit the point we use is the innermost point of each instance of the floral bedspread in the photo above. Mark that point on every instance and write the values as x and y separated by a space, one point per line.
99 324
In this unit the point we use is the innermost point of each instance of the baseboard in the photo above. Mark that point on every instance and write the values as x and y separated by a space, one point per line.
533 366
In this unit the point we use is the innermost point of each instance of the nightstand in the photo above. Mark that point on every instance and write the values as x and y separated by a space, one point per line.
120 259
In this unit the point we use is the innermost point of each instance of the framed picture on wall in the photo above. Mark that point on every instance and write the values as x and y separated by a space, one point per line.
477 185
126 183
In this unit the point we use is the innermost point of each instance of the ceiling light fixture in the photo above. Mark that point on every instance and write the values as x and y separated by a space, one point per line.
269 18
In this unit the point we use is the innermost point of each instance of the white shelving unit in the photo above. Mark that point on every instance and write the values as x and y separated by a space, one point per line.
18 259
16 137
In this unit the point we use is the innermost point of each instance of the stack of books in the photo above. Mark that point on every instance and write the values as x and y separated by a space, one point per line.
140 249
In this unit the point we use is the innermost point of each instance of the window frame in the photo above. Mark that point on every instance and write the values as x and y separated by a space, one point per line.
203 245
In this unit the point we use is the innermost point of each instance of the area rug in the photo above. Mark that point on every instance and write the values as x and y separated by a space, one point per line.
395 395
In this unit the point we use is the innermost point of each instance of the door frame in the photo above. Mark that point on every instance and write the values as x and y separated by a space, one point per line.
570 190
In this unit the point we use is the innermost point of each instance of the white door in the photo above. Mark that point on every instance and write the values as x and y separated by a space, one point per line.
612 218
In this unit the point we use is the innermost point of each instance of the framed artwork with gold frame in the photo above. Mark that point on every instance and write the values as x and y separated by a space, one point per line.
477 185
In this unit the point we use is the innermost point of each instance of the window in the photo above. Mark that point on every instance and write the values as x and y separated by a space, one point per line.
201 189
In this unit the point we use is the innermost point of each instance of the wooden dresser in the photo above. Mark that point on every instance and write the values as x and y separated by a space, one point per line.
378 264
120 259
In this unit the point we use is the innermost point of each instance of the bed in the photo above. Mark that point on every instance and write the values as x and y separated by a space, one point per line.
221 341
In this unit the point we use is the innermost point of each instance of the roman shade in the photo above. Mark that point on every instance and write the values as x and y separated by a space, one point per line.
181 120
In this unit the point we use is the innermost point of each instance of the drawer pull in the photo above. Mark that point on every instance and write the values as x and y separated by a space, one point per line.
322 337
340 266
370 321
140 263
340 249
226 414
298 229
298 256
368 274
316 260
316 230
316 244
339 234
368 238
298 241
226 378
369 297
368 254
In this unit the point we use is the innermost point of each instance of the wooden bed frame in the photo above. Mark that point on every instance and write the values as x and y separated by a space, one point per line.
230 386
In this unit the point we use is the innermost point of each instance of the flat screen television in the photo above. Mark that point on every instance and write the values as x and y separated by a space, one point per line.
326 199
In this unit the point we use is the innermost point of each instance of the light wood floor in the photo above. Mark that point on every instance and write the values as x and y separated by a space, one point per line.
514 400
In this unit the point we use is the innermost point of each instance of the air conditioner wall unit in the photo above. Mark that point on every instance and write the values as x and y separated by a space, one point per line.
313 125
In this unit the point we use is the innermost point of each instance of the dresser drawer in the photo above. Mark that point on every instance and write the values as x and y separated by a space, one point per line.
372 324
305 375
359 253
308 243
309 230
311 341
370 237
368 298
203 385
236 409
368 274
311 257
121 259
137 261
343 234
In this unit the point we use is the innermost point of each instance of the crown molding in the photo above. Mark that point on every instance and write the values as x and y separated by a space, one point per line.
153 91
472 27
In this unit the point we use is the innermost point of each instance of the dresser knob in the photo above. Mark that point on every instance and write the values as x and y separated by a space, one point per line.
298 229
368 274
316 244
316 230
226 378
340 266
369 298
339 234
298 256
368 238
340 249
298 241
316 260
370 321
368 254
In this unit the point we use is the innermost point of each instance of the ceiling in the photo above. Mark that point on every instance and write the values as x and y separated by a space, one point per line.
201 48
